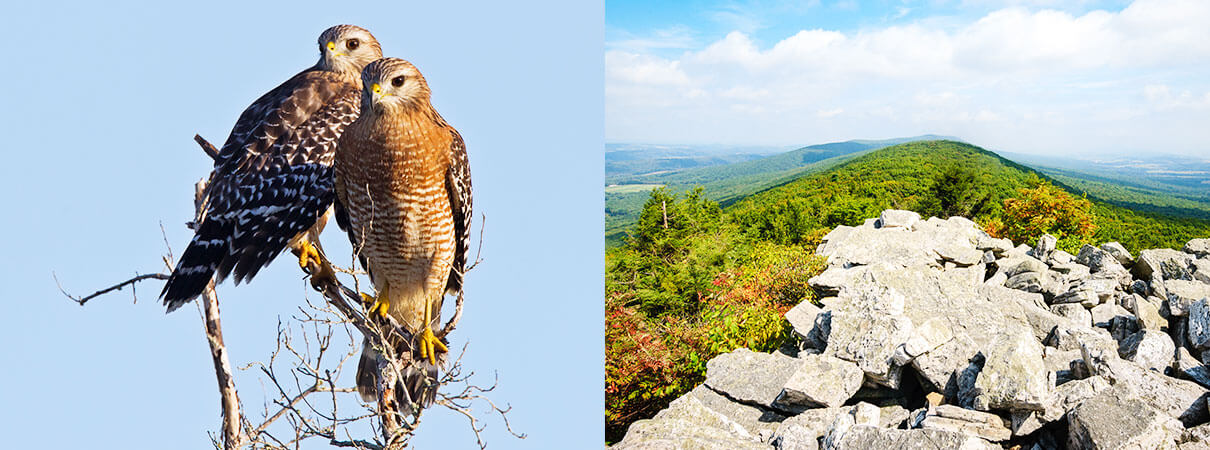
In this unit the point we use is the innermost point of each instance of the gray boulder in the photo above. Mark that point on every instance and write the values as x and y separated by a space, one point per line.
869 341
1201 270
1103 313
1119 252
1198 247
1013 266
751 377
894 218
1147 310
1191 368
1046 246
1075 312
865 437
802 318
1061 257
1013 376
1117 419
1082 296
1180 399
690 423
821 381
1097 260
959 420
996 246
803 431
1199 324
1182 293
1166 264
1149 349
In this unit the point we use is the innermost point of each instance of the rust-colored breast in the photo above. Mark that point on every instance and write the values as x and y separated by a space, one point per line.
391 173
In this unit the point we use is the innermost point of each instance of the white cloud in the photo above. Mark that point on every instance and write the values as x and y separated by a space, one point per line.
676 37
1162 97
1018 75
829 113
643 69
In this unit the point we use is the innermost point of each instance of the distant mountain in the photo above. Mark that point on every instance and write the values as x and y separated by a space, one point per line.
725 183
1164 172
1165 184
622 160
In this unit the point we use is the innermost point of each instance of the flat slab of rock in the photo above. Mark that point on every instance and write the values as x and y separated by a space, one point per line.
689 422
1182 293
896 218
751 377
975 423
864 437
1164 263
1201 270
802 317
1119 252
821 381
803 431
1075 312
1103 313
1117 419
1181 399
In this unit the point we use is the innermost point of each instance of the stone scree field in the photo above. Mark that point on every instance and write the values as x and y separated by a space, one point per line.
935 335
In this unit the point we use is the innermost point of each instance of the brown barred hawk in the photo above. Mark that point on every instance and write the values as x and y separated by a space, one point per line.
404 195
272 180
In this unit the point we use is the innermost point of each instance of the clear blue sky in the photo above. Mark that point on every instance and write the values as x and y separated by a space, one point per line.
1032 76
99 107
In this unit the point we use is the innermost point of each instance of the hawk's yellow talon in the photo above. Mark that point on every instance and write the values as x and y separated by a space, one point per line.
382 305
378 305
429 344
307 254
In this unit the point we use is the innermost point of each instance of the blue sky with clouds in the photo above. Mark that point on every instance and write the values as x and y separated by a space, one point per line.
100 105
1035 76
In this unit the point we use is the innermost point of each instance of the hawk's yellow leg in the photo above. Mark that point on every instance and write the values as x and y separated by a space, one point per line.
429 344
380 304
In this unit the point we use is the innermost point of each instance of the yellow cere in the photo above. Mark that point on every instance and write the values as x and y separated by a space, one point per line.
331 46
375 88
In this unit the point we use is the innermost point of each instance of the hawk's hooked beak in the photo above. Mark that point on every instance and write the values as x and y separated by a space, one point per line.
376 96
377 90
332 49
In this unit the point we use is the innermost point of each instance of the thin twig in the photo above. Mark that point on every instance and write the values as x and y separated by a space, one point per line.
116 287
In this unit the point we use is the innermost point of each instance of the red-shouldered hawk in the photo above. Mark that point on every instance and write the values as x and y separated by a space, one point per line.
404 196
272 180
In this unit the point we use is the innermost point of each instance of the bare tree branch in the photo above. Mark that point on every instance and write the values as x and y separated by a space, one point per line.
206 146
233 436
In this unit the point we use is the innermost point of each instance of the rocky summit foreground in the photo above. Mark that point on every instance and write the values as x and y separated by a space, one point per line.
934 335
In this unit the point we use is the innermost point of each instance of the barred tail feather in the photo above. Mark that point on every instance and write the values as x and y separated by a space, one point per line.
196 266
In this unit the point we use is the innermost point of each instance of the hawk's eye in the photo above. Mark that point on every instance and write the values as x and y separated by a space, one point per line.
352 44
398 81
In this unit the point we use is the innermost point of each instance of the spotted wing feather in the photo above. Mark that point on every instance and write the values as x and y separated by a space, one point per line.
458 187
272 180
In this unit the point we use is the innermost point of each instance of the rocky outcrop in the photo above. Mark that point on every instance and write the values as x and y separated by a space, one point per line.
933 334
